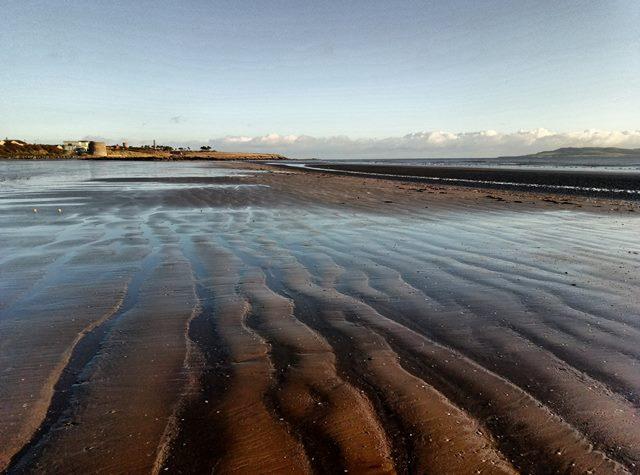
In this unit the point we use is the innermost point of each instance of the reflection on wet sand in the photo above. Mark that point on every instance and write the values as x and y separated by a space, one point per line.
178 317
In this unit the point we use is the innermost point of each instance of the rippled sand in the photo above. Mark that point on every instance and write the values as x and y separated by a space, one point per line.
189 317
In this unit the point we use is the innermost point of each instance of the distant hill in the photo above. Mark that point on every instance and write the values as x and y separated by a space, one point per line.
583 152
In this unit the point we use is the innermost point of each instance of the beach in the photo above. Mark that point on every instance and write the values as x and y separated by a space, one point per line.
190 317
622 182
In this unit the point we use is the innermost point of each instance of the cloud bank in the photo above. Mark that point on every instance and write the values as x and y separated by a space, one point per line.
427 144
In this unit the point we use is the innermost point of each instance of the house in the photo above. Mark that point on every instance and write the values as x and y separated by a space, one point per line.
76 145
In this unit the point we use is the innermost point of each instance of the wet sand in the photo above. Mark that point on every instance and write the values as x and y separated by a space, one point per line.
243 318
615 184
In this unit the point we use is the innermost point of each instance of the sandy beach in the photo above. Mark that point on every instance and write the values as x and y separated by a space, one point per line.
245 318
614 182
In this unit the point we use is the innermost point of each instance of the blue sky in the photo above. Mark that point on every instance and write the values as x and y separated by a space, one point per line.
193 71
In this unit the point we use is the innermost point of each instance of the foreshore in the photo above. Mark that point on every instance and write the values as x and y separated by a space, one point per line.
248 317
585 182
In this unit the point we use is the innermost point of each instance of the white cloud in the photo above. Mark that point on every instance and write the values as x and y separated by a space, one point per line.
486 143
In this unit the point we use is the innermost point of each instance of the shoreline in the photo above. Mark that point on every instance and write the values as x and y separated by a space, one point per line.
615 185
622 185
420 190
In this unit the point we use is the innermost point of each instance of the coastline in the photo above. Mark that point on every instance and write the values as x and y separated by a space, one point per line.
622 185
205 156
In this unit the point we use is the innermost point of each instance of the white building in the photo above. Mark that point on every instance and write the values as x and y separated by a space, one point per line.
76 145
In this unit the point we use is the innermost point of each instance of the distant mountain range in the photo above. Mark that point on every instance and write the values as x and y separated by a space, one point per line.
584 152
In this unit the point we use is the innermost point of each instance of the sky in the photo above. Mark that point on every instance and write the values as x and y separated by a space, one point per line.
324 78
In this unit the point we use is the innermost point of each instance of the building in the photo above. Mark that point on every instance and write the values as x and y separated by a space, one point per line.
98 149
76 145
